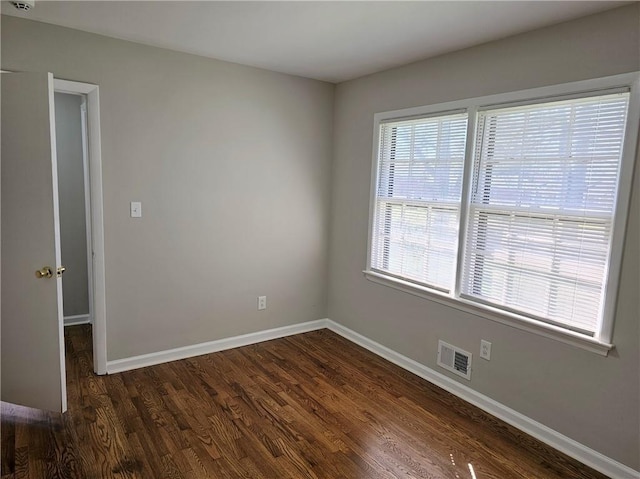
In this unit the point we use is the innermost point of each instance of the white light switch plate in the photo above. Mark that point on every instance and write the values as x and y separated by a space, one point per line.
136 209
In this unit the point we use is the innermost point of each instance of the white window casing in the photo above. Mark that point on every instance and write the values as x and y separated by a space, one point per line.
511 207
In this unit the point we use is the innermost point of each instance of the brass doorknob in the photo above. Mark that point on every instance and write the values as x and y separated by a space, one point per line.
45 272
60 270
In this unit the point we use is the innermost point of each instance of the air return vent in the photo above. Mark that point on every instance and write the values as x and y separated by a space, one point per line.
454 359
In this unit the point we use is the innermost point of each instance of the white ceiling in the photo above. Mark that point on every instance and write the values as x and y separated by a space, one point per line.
332 41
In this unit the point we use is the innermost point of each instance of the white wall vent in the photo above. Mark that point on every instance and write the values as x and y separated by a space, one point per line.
454 359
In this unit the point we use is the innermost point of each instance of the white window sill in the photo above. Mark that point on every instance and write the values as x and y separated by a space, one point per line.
547 330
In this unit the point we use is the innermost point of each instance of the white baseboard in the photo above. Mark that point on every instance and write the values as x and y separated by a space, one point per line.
574 449
77 319
126 364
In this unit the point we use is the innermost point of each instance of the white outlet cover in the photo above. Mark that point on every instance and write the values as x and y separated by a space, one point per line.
262 303
485 349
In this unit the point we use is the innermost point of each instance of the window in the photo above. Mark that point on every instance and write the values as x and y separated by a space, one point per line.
418 198
534 239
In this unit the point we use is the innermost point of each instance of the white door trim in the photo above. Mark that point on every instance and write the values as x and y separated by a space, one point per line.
87 203
99 306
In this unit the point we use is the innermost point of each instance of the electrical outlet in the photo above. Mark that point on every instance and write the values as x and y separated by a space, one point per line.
485 349
262 303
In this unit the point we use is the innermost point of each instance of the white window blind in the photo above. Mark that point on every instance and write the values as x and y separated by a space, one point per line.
541 211
417 199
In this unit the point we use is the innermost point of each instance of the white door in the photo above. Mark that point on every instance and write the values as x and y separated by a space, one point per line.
32 353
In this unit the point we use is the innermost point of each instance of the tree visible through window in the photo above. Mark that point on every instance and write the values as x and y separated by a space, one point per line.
542 207
538 225
418 200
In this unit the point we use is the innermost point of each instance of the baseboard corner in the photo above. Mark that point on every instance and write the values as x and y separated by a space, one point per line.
184 352
562 443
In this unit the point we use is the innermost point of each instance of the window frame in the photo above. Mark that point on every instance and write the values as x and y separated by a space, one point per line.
444 204
600 342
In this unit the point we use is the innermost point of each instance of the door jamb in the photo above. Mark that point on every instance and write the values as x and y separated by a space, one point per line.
99 307
87 203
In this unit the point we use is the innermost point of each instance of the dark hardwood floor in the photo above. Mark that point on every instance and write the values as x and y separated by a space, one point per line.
308 406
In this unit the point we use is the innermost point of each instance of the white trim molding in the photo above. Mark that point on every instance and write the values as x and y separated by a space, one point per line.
562 443
487 312
98 295
77 319
144 360
596 337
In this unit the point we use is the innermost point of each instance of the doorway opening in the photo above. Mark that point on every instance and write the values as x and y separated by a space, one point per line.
81 214
75 210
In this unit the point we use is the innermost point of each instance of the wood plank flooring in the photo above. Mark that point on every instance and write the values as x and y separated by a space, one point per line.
307 406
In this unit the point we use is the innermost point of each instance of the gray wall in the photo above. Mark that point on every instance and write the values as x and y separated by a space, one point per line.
73 232
589 398
232 166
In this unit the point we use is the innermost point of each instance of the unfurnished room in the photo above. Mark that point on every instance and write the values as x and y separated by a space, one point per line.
328 240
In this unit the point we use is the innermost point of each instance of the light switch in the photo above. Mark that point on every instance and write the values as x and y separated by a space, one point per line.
136 209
